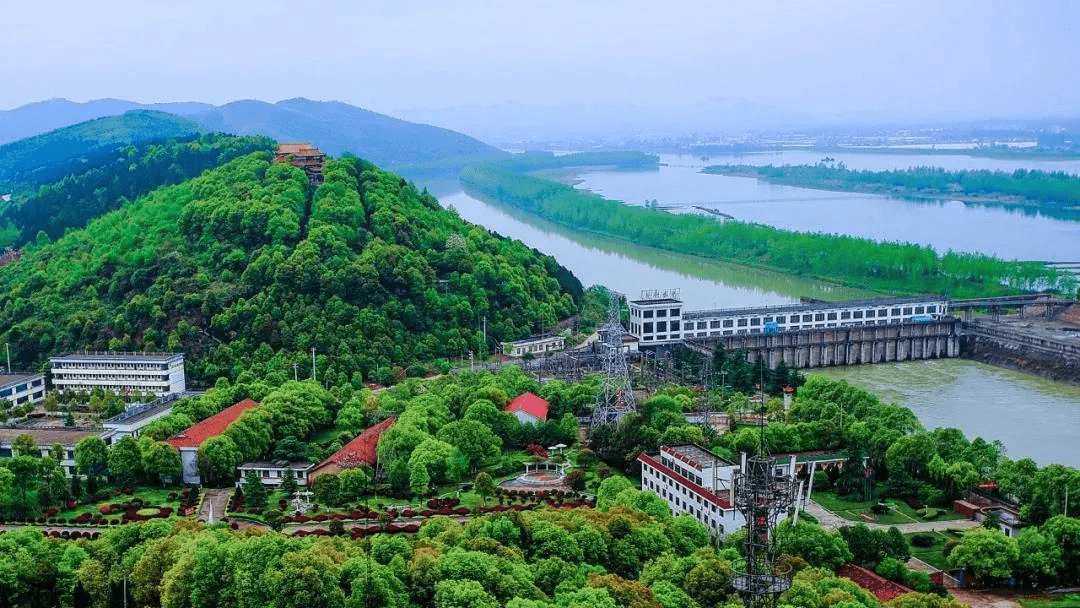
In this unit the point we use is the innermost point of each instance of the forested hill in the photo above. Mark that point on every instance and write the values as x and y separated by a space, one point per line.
244 268
49 156
44 116
91 186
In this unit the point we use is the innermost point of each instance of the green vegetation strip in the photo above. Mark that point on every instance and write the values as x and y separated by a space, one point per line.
880 266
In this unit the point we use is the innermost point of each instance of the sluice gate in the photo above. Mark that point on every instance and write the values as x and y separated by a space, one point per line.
829 346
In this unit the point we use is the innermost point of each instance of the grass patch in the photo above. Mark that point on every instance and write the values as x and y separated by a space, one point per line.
932 554
1067 600
150 496
900 512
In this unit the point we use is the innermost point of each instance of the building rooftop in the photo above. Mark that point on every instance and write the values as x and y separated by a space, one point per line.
361 450
529 403
806 306
6 379
533 339
117 356
47 437
211 427
278 464
140 412
695 454
656 301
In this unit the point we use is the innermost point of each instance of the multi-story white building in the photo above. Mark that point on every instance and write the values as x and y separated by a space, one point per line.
21 389
657 318
695 481
273 473
123 373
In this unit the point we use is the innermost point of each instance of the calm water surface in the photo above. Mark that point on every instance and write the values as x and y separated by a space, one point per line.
1034 417
1011 233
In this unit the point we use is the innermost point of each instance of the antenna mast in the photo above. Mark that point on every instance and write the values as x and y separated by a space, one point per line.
616 398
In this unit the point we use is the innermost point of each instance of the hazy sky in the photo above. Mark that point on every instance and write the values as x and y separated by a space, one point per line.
824 58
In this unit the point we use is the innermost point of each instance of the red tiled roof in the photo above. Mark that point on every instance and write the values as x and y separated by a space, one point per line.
880 587
211 427
530 404
359 450
693 487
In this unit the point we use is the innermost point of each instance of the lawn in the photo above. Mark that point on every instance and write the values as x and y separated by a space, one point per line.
150 496
932 554
900 513
1068 600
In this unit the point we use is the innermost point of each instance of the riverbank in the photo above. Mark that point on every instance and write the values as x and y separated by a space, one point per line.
1055 195
884 267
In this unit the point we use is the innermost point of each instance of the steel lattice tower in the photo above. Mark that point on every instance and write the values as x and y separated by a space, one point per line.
762 496
616 398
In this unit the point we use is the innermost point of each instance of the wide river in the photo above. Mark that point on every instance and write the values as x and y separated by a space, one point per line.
1034 418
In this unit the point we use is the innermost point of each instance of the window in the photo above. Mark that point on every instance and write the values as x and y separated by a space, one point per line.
661 326
807 318
832 316
728 323
661 313
920 310
674 326
714 325
845 315
857 314
931 309
647 314
793 327
781 319
895 312
648 328
819 316
674 312
870 314
907 310
727 332
755 321
701 325
742 322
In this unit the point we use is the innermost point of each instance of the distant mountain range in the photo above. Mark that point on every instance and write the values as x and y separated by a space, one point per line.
334 127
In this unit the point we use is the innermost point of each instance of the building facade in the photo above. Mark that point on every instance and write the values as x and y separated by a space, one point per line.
536 345
656 319
21 389
694 481
272 473
45 438
159 374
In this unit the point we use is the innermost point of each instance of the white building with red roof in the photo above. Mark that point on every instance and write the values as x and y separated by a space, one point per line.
188 441
529 408
695 481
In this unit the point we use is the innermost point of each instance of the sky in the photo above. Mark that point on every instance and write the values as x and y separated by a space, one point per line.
823 60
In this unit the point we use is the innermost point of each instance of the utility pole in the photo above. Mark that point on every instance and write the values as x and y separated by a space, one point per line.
313 363
7 346
295 374
485 336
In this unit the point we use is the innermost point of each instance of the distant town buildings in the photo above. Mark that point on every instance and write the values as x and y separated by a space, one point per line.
188 441
159 374
528 408
535 345
303 155
21 389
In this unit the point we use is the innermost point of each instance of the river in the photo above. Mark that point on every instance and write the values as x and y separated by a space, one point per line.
1009 232
1034 418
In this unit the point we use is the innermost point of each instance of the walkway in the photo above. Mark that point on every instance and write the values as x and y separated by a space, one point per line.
214 503
831 520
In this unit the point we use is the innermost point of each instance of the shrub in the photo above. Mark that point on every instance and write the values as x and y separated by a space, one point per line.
949 546
929 513
105 509
922 540
879 508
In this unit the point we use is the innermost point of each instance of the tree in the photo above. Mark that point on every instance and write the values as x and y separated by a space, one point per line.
24 445
161 460
125 461
818 546
708 582
475 441
354 483
985 553
91 456
218 458
484 486
463 594
288 483
254 491
326 489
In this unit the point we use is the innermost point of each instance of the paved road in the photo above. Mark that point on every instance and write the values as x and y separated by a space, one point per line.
213 508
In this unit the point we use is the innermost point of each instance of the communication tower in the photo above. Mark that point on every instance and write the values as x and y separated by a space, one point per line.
616 398
762 496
